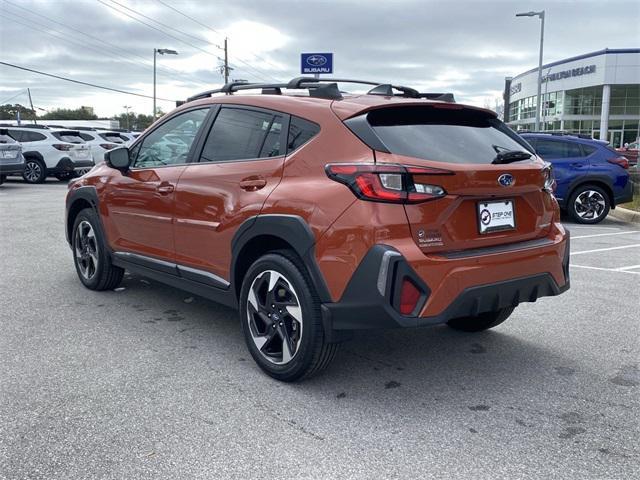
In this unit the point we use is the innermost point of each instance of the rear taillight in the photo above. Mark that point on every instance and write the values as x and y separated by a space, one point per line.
108 146
409 297
620 161
390 183
549 180
62 147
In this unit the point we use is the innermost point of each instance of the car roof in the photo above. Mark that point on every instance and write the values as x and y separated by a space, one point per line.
306 106
564 136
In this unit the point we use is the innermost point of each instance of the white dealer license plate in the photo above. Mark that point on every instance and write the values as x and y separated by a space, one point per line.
496 215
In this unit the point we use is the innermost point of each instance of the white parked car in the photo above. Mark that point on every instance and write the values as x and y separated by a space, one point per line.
96 141
61 153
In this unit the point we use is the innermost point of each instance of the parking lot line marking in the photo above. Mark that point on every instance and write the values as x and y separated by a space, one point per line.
598 227
604 269
631 267
605 234
605 249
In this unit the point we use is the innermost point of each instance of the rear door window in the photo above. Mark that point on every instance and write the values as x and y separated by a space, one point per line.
451 134
557 149
27 136
243 134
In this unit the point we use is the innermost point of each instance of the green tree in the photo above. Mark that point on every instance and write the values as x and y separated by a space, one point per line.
8 112
82 113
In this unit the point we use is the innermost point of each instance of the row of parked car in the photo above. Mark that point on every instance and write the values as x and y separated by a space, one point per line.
38 151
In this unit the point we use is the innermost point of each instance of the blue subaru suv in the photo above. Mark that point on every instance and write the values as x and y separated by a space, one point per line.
591 177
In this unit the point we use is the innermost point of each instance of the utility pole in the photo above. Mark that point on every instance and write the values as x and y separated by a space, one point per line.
127 107
226 62
35 115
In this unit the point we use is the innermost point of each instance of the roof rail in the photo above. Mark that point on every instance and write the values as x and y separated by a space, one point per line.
323 88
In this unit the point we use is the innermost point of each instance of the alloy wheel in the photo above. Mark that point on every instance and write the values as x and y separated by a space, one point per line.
86 250
32 171
589 205
274 316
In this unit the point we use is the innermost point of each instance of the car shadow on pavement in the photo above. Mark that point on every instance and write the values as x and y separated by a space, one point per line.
421 362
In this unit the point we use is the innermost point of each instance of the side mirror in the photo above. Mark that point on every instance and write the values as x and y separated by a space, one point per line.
118 158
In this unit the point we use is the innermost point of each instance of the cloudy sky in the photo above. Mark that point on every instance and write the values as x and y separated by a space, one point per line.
462 46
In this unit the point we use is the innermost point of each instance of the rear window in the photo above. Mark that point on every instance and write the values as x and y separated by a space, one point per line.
112 137
86 137
444 135
69 137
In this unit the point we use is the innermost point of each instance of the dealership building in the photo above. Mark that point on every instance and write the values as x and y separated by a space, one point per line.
596 94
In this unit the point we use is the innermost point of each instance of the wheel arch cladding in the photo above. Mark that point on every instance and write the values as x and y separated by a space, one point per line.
79 199
262 234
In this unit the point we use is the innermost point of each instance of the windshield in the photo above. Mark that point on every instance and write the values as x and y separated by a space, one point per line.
447 134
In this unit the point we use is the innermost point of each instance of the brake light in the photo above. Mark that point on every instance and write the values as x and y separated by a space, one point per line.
620 161
108 146
389 183
549 180
62 147
409 297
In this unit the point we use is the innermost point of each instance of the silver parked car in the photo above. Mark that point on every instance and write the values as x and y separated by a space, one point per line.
11 158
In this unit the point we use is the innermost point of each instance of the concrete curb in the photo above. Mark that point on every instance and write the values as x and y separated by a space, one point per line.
625 215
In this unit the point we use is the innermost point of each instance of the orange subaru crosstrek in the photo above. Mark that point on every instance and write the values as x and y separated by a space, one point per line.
317 212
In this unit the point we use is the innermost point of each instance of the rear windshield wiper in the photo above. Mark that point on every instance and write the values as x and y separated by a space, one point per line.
511 156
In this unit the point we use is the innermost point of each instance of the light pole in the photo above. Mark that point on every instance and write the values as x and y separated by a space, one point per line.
161 51
538 105
127 107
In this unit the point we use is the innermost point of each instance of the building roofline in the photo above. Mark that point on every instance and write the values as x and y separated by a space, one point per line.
606 51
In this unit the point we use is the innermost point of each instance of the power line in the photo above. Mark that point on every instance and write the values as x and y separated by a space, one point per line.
261 73
82 83
96 39
209 28
16 95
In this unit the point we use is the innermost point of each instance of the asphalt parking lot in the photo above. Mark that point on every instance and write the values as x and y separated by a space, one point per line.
150 382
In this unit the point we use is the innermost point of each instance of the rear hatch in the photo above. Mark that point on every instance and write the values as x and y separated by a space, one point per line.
74 144
492 196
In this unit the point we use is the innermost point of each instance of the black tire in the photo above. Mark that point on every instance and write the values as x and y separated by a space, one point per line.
105 276
312 354
482 322
2 179
35 170
586 199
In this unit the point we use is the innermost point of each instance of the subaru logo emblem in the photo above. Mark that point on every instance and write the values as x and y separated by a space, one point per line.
317 60
506 180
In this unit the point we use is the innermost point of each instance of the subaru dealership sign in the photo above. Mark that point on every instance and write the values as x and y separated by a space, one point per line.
316 63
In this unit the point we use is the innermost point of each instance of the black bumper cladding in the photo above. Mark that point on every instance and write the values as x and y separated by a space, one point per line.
362 305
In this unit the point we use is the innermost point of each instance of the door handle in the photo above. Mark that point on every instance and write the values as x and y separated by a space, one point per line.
253 184
165 188
577 164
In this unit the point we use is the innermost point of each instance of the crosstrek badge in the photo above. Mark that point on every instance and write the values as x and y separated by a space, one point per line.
429 238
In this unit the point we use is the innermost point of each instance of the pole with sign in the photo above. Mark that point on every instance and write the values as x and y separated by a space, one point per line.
316 63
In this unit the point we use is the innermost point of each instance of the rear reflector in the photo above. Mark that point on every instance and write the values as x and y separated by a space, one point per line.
409 297
620 161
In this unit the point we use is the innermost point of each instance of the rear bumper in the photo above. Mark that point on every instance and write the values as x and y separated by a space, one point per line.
626 195
11 168
369 299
